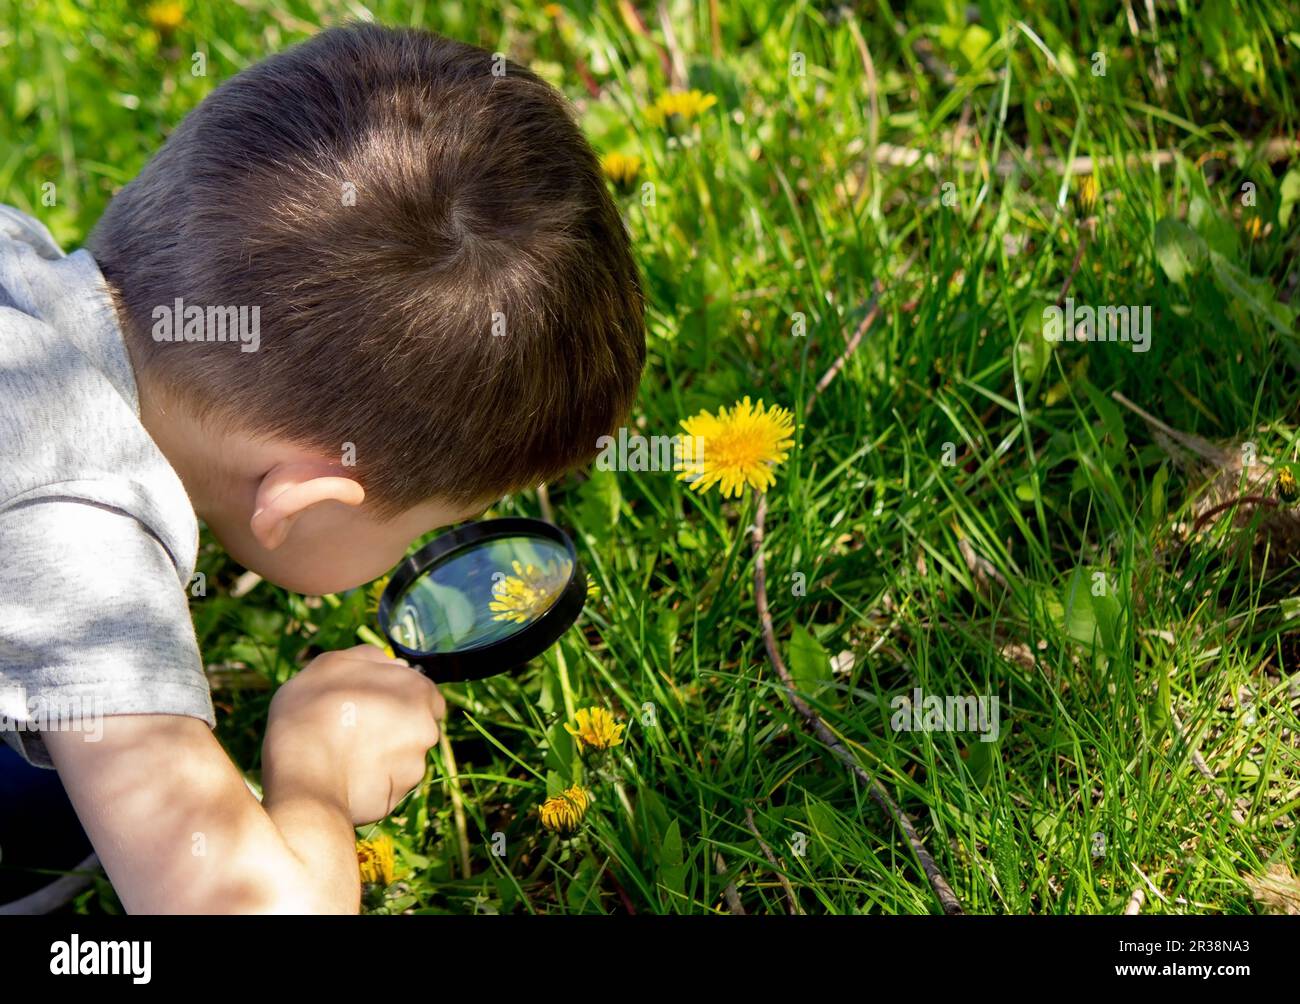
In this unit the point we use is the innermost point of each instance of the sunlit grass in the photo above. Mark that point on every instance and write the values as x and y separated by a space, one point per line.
947 504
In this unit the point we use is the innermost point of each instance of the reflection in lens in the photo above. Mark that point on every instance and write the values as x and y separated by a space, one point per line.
529 593
481 594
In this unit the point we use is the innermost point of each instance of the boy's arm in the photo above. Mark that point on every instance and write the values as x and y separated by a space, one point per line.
178 831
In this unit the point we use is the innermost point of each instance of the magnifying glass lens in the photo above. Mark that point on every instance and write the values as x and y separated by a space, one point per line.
483 599
481 593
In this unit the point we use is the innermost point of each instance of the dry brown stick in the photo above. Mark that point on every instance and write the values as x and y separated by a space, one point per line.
792 904
1209 514
729 893
873 308
1260 501
947 898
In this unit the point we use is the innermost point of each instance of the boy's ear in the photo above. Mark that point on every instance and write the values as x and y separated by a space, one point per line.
291 488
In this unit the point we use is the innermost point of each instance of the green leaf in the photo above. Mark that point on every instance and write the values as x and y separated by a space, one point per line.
650 809
672 867
505 892
1180 250
1033 351
969 40
979 761
582 895
825 829
1112 419
666 630
551 697
1248 295
1158 496
600 504
1090 619
1219 234
1290 195
809 664
559 753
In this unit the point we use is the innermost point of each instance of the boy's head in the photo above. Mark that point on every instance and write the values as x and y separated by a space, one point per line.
446 304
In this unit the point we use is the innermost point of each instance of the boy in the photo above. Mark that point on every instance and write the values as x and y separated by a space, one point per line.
367 287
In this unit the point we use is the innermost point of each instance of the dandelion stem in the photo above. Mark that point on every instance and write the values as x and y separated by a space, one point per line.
457 802
370 638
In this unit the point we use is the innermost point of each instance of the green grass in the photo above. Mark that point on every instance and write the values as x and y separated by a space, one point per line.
791 197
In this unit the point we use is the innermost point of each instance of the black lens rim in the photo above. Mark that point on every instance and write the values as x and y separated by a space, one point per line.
507 655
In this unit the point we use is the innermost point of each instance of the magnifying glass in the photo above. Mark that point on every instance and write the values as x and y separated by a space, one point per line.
483 599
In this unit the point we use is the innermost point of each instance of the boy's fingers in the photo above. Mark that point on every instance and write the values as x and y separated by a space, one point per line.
439 704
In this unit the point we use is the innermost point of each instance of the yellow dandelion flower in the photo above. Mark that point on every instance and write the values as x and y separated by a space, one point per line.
552 10
1287 489
1254 227
528 593
375 858
739 447
165 17
1086 196
621 169
595 727
564 813
683 105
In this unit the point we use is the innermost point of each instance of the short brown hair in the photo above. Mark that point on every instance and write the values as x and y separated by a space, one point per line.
479 208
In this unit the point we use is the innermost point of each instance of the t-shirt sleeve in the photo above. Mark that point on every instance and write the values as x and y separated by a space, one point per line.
94 622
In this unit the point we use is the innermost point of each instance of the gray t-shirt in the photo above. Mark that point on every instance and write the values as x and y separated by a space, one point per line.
97 536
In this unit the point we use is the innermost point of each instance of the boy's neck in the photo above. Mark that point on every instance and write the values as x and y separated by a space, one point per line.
193 450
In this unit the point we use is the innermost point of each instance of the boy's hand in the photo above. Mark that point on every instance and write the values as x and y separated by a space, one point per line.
178 830
356 724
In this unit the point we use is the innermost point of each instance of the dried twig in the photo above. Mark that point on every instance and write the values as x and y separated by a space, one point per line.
947 898
729 894
1205 517
873 308
792 904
